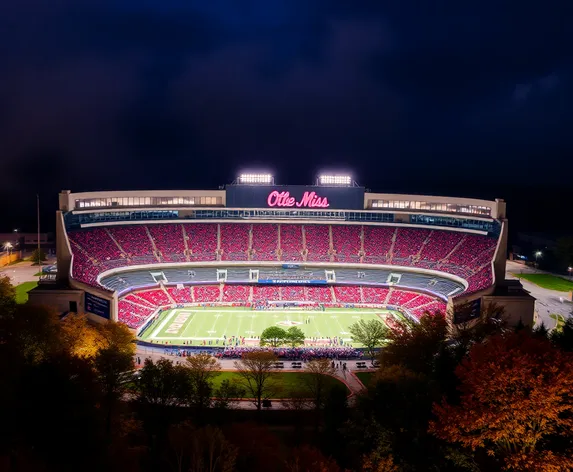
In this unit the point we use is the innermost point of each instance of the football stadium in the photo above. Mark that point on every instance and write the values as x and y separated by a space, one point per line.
216 267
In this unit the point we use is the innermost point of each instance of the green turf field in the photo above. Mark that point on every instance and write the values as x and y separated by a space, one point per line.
211 325
288 384
548 281
22 291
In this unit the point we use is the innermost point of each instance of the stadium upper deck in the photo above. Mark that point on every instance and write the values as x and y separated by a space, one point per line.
454 246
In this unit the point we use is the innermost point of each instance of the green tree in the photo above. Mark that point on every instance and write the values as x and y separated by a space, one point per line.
7 297
228 394
256 371
371 334
162 383
38 256
32 333
273 336
563 338
417 345
295 336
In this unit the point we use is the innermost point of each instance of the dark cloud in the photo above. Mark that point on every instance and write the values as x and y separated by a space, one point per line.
104 94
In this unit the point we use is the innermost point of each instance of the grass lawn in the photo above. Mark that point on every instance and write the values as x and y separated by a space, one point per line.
559 319
22 291
364 377
290 384
548 281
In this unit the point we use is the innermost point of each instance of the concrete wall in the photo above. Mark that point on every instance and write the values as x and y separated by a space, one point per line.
6 258
515 308
59 299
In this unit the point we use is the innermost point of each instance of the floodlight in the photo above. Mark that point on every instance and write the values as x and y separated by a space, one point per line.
255 179
343 180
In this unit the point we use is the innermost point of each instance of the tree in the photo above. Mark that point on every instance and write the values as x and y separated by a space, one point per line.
32 333
203 368
307 458
7 297
316 380
118 336
227 394
416 346
162 383
256 371
515 399
111 366
201 450
371 334
80 338
563 338
273 336
38 256
295 336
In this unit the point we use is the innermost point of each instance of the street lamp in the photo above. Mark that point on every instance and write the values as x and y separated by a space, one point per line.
569 269
538 254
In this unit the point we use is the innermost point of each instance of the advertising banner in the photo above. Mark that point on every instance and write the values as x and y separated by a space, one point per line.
292 281
97 305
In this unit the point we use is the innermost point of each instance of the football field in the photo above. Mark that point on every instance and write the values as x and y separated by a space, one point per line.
212 326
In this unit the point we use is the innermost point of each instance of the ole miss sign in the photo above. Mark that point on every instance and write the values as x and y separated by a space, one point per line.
295 197
308 200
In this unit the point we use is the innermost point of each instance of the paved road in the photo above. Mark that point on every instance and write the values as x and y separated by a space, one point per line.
23 271
547 301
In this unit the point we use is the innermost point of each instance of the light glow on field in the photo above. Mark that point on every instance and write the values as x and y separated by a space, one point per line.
214 325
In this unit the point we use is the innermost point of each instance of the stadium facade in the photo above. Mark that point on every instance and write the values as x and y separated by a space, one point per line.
123 254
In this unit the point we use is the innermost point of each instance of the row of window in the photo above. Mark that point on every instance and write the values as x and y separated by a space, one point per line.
146 201
431 206
75 220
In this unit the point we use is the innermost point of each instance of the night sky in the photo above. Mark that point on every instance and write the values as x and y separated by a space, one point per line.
453 98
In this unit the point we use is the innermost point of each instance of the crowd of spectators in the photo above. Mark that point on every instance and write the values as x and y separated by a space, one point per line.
296 353
466 255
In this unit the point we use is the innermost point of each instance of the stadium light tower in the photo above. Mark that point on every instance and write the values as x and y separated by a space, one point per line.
337 180
250 179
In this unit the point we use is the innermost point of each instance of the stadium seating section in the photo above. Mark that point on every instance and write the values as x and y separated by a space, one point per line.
466 255
136 307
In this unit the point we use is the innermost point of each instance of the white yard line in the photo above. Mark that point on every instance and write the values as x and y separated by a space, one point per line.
162 324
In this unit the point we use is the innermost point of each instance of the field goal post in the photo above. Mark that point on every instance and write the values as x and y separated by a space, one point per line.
253 275
221 275
330 276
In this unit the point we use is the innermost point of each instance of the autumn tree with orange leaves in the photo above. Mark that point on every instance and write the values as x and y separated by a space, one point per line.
516 404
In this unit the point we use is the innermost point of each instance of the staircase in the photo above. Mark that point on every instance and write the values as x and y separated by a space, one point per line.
218 242
186 242
115 241
333 293
391 251
388 296
304 250
156 252
445 259
167 293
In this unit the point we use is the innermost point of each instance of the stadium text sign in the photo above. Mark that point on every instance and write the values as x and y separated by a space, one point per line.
308 200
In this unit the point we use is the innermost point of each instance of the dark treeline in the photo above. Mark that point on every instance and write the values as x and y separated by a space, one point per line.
487 398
